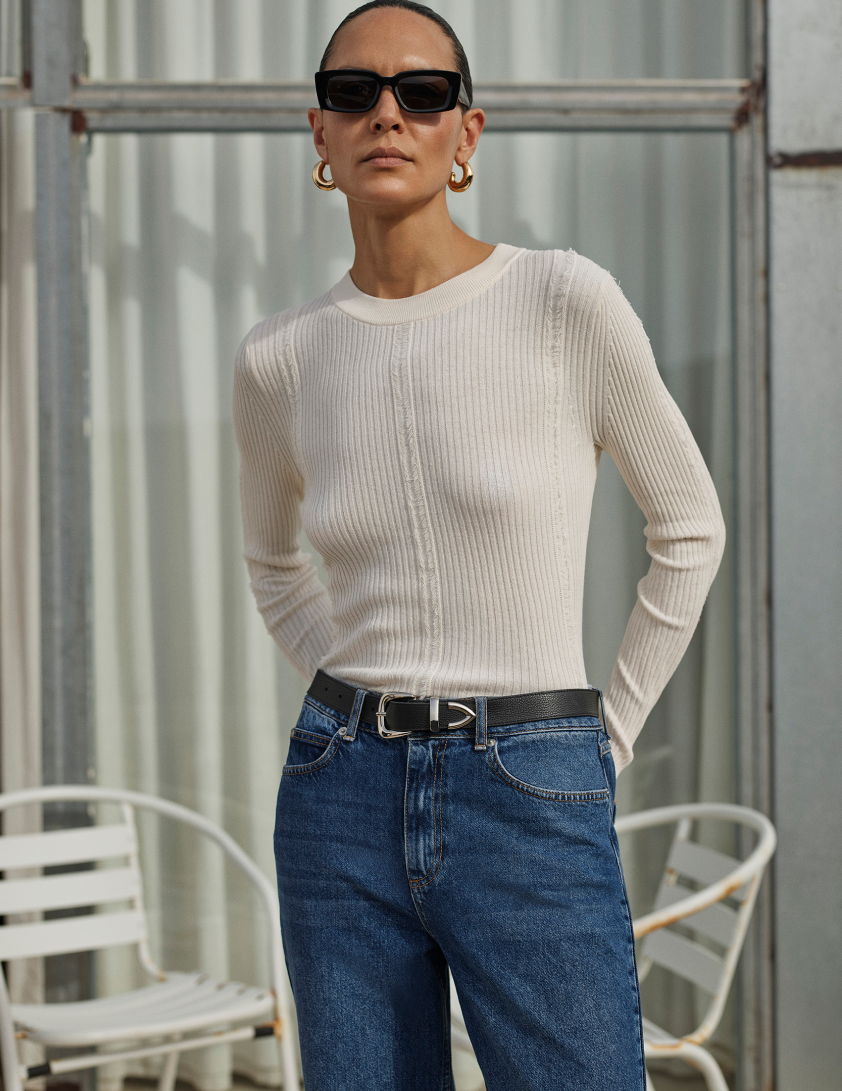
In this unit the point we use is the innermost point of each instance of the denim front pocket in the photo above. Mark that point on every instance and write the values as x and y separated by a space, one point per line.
556 764
314 740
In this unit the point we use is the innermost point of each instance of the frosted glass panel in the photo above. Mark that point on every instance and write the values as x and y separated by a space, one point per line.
504 39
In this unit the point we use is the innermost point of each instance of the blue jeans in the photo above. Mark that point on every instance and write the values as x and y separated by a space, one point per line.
492 853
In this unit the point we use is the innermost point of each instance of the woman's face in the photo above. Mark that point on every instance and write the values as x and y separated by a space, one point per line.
388 156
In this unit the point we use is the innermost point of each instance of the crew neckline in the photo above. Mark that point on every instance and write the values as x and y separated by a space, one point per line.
444 297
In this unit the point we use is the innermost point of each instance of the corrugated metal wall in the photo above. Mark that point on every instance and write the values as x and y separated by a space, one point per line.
805 101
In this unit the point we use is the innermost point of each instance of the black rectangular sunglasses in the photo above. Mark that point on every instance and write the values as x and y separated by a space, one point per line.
422 91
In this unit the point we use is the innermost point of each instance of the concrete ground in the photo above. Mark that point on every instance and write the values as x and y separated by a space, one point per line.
670 1083
662 1083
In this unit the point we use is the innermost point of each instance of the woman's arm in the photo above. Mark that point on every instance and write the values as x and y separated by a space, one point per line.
294 603
641 427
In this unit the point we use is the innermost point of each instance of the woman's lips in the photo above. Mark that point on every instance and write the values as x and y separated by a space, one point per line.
387 155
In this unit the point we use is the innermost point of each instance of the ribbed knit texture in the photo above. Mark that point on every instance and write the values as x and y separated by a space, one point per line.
441 451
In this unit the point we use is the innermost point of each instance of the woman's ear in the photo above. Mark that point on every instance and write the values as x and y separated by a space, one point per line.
473 123
314 116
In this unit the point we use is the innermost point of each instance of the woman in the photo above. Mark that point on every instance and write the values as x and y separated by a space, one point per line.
436 421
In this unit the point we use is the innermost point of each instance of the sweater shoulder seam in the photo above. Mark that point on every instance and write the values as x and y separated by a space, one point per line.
245 374
611 379
274 333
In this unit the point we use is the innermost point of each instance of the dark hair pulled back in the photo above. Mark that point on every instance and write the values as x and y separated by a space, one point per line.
462 66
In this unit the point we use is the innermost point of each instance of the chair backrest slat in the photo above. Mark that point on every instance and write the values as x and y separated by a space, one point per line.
90 932
718 922
684 957
78 888
74 846
83 889
700 863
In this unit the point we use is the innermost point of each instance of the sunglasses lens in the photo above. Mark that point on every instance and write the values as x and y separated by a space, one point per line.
424 93
351 92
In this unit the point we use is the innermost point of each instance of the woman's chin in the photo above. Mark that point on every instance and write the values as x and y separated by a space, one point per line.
389 191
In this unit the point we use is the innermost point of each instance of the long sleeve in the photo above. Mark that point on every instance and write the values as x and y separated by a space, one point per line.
641 427
294 603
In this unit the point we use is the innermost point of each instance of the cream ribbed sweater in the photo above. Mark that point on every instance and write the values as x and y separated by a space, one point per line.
441 452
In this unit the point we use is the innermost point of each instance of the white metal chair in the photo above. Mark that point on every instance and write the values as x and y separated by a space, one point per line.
697 886
707 962
180 1011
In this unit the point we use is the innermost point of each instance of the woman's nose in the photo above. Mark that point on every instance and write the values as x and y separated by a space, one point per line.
386 113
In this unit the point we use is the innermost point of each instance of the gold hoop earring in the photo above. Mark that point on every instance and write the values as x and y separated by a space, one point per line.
319 177
467 178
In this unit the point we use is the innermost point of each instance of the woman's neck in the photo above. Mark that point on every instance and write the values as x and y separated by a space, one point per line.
403 252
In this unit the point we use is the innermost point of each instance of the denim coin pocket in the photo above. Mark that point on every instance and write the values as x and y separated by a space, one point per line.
562 764
314 740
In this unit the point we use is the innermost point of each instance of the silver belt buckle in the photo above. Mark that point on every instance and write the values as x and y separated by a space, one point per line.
434 714
469 715
385 698
434 702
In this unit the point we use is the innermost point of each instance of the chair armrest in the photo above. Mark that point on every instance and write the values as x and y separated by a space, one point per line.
750 869
689 906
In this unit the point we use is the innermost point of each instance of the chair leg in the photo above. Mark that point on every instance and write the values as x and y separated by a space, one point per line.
705 1063
168 1072
8 1044
289 1063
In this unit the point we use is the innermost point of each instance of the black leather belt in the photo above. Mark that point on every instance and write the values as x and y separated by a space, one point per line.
400 713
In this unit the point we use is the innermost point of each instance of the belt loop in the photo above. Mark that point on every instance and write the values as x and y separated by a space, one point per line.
602 708
480 723
356 712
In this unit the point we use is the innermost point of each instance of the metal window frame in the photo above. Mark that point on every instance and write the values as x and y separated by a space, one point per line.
149 106
67 106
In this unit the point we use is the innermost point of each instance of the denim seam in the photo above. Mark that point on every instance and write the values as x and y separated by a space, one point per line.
320 762
493 732
447 1064
438 768
310 736
497 767
416 901
544 730
630 947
